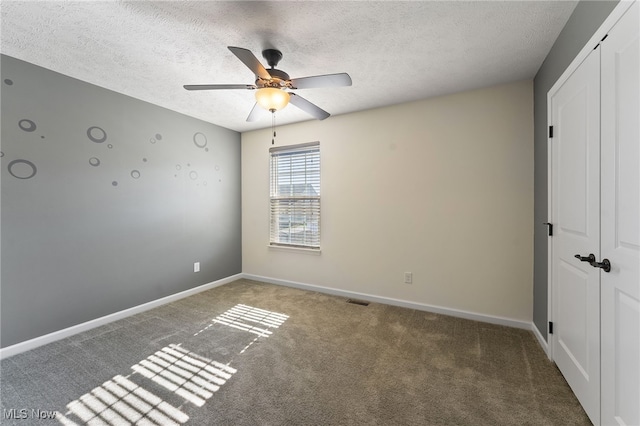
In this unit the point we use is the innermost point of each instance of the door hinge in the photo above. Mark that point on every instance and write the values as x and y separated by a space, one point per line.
550 228
550 327
601 40
550 131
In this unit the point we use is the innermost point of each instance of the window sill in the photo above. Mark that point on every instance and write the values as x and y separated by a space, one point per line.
302 250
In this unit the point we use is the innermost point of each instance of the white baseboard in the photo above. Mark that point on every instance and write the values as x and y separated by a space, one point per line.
395 302
541 340
70 331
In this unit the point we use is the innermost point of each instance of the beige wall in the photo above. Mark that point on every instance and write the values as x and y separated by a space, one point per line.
441 187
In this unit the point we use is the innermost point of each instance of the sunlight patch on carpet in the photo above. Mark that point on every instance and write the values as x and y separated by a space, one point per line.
247 318
120 401
185 373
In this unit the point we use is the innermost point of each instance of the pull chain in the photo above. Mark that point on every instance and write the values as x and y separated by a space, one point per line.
273 125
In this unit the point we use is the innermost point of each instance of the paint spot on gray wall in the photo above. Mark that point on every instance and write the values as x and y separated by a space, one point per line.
158 136
114 183
135 174
95 162
110 146
152 140
1 154
96 134
144 160
8 82
22 169
200 140
178 167
193 175
27 125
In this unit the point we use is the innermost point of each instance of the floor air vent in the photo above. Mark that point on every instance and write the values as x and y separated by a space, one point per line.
358 302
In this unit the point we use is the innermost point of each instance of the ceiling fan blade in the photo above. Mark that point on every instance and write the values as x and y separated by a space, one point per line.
255 113
308 107
218 86
251 61
327 80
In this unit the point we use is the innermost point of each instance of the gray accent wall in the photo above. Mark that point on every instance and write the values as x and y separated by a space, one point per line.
583 23
107 202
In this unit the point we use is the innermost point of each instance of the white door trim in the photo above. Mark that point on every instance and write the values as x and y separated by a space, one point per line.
606 26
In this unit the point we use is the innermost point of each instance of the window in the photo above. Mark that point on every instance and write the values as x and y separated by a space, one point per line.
295 196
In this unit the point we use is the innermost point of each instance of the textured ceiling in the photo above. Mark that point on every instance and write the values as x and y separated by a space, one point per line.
394 51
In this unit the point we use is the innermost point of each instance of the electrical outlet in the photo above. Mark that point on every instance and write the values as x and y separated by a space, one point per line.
196 267
408 277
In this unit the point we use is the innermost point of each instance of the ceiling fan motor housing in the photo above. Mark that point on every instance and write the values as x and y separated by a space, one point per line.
279 79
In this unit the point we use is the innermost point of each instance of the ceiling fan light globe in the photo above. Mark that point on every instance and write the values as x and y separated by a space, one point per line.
272 99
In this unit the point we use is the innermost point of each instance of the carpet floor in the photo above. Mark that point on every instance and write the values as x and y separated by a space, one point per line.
250 353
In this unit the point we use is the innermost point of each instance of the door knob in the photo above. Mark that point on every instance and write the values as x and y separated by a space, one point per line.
591 258
605 264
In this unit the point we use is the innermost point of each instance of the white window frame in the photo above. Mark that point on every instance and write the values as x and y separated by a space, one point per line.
294 196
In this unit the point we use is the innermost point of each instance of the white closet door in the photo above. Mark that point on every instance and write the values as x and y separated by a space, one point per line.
620 216
575 176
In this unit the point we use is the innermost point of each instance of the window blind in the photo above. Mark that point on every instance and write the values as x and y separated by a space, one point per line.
295 195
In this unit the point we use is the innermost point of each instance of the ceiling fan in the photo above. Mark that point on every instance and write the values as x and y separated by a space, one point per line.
274 87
